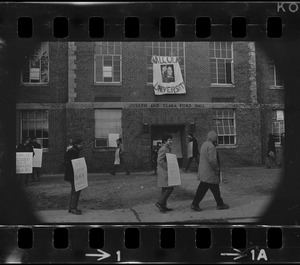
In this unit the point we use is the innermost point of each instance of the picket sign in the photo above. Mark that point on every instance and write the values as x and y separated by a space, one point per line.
80 173
23 163
173 170
38 157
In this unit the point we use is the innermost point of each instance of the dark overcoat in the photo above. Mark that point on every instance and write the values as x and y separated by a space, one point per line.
69 156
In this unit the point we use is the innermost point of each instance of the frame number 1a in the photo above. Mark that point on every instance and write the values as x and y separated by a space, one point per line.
261 255
118 255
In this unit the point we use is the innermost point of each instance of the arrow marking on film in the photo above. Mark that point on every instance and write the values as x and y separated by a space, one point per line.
238 255
101 255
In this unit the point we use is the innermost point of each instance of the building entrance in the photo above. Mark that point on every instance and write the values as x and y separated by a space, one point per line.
177 132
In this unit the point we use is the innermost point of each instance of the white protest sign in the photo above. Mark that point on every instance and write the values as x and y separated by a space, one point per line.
24 163
80 173
173 170
117 157
190 149
38 156
112 138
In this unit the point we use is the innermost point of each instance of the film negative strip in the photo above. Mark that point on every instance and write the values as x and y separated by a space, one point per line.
185 97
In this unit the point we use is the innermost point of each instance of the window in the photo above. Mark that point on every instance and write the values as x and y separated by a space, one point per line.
225 126
221 62
37 66
107 63
34 123
275 79
107 122
164 49
278 126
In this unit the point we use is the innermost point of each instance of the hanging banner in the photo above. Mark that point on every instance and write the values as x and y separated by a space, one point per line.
24 163
80 173
38 156
167 78
173 170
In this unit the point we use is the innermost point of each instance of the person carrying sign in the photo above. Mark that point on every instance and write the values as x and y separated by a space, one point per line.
119 158
162 174
71 154
209 173
25 147
36 170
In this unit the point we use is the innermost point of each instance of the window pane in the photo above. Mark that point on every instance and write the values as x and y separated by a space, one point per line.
220 140
45 143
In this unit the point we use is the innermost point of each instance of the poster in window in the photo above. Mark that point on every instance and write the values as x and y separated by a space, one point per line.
80 173
167 77
34 73
107 71
280 116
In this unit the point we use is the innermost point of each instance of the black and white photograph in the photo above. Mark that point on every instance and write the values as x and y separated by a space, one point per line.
94 103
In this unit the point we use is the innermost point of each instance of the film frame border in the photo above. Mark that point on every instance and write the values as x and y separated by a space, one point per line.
183 32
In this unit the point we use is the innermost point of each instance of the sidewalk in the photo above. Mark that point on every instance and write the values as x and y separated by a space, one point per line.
243 209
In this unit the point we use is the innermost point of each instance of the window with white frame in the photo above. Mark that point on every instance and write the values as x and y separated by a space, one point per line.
221 62
36 69
108 62
108 127
278 126
225 126
35 123
165 49
275 79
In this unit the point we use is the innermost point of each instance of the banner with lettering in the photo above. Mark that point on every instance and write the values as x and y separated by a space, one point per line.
167 77
24 163
80 173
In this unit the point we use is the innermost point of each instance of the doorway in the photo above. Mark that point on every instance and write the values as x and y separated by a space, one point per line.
177 132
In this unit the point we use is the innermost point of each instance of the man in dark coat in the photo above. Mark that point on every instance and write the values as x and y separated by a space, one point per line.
25 147
71 154
209 173
195 151
36 170
154 156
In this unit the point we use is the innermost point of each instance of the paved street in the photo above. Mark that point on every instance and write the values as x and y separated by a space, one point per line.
244 208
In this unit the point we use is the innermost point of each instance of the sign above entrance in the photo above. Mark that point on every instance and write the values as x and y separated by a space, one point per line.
167 77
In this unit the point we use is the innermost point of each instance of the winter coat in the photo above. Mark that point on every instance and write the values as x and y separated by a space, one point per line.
209 167
195 148
271 146
162 167
71 154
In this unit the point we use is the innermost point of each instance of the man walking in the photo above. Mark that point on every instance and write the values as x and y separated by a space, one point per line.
36 170
193 152
71 154
120 158
209 173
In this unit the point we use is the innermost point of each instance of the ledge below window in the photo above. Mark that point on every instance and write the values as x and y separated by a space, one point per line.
104 150
276 87
227 146
222 85
108 84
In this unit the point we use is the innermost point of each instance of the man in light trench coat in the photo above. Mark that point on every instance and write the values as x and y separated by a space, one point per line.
209 173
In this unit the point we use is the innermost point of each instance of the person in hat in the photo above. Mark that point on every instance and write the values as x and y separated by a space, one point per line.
209 173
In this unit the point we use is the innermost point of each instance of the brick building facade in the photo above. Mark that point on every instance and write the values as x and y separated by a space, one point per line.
92 89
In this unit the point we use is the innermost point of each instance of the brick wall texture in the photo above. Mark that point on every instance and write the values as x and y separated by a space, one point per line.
77 121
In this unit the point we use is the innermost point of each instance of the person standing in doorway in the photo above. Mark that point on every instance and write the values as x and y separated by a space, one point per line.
193 152
162 174
271 154
25 147
120 160
36 170
70 144
154 156
71 154
209 173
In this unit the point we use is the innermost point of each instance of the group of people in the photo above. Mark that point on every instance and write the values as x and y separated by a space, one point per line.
208 173
26 146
